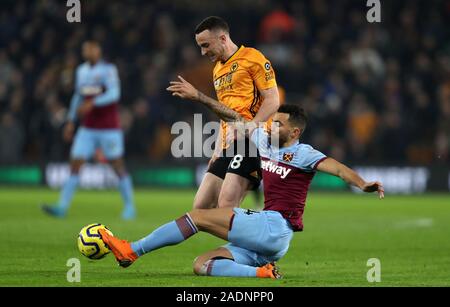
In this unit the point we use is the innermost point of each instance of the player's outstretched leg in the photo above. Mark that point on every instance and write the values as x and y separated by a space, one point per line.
220 262
66 195
168 234
125 188
213 221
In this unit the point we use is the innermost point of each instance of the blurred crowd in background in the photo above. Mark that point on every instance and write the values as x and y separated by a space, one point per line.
375 93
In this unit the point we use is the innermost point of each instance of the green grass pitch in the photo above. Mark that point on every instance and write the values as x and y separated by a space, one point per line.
410 235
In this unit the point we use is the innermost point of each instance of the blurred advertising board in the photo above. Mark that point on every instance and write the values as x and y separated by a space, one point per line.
396 179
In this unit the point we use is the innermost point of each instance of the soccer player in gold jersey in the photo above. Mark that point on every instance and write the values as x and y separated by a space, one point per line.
245 82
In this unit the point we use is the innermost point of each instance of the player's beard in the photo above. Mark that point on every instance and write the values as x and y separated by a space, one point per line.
217 55
277 140
213 56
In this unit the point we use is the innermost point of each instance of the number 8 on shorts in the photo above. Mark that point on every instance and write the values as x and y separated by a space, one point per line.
236 162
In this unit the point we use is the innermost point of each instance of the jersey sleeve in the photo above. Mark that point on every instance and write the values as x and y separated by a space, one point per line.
262 71
76 98
112 84
309 158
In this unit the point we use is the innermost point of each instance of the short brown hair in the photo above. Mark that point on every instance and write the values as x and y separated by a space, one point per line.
212 23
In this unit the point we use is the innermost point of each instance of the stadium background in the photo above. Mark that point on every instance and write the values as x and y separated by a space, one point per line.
377 94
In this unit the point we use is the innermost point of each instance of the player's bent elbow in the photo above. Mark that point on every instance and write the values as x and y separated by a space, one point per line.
274 103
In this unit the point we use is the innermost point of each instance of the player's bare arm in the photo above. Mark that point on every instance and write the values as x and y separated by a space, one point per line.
186 90
270 104
333 167
226 114
269 107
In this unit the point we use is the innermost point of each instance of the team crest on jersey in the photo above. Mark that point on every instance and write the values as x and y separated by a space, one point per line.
234 67
288 156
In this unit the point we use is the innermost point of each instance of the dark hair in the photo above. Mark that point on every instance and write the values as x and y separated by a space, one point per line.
212 23
297 115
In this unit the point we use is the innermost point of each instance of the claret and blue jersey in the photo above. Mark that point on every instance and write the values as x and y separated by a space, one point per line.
264 236
287 173
100 128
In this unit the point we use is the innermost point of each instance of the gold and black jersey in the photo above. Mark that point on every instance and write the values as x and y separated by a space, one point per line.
239 80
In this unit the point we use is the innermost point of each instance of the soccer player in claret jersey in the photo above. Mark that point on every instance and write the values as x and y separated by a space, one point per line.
244 81
256 239
95 102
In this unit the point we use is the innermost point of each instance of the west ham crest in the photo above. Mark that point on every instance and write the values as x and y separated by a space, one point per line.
288 156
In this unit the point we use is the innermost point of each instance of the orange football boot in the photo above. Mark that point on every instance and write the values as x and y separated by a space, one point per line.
120 248
270 270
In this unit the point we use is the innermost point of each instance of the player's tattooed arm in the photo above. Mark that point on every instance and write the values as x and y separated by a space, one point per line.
225 113
185 90
238 127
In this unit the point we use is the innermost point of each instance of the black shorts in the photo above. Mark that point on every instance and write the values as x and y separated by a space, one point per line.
242 164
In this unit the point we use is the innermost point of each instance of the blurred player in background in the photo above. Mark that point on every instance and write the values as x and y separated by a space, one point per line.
95 102
244 81
257 239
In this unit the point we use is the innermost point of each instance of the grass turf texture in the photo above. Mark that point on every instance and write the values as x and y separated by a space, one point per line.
409 234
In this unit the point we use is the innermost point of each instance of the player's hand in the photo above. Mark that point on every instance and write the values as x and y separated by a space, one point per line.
68 131
183 89
374 186
239 130
86 107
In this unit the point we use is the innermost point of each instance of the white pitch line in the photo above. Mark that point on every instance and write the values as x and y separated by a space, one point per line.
416 223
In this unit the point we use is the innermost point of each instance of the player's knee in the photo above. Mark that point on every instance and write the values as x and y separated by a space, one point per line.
228 201
203 205
202 202
201 219
119 167
75 167
197 266
122 172
199 204
197 217
200 266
